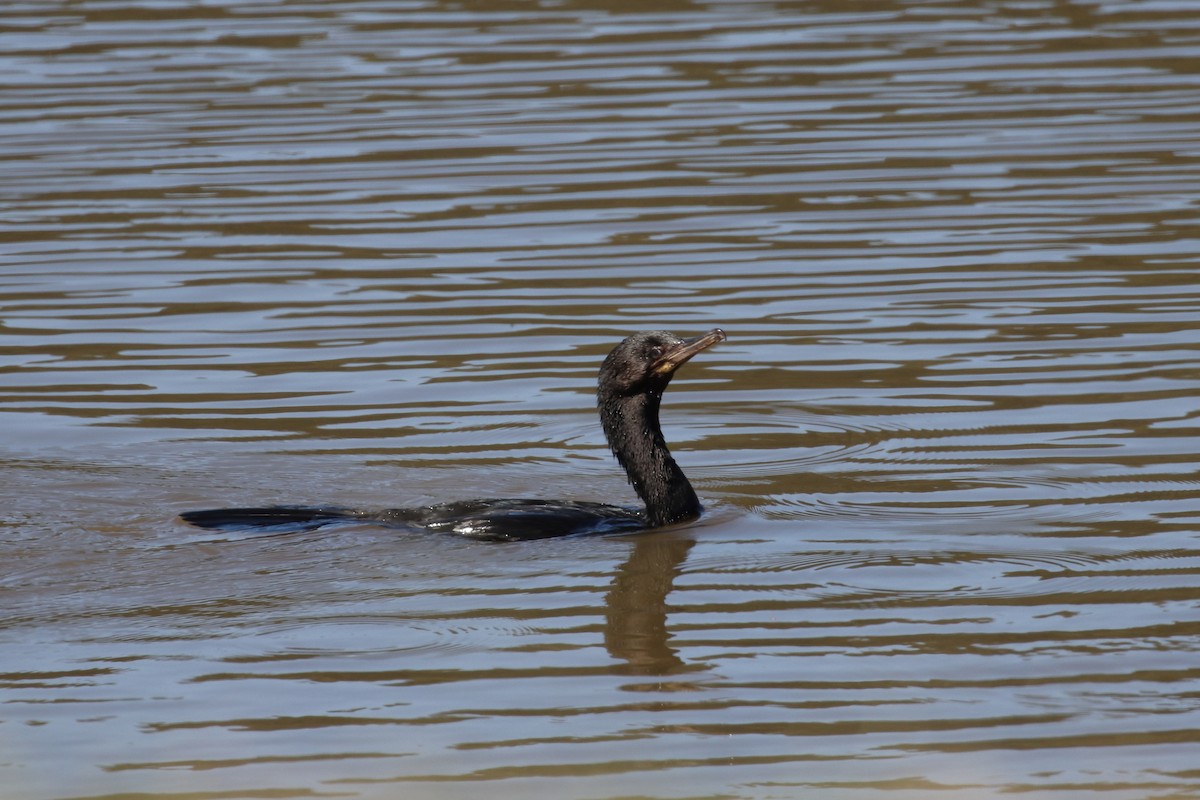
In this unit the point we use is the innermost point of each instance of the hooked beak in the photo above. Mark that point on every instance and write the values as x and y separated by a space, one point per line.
678 355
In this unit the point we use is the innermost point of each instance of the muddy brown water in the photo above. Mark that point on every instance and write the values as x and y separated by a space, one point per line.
373 253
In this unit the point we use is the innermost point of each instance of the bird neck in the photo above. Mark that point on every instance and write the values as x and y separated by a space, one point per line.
633 432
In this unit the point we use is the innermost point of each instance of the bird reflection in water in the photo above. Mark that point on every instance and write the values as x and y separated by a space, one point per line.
636 610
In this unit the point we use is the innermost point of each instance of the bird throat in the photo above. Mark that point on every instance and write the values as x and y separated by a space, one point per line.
635 436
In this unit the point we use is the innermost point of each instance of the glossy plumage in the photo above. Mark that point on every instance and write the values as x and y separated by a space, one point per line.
632 380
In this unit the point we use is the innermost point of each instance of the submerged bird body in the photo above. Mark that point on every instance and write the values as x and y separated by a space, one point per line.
632 380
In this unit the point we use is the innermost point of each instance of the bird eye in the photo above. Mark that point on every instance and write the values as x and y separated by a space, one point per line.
656 352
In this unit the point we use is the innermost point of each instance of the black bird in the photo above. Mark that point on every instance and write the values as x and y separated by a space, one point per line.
632 380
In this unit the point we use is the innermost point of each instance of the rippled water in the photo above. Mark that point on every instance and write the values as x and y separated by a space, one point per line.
372 254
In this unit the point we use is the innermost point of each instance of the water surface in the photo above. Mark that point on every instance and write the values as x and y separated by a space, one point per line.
372 254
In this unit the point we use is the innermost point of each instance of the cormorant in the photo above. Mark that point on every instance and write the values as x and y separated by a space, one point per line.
632 380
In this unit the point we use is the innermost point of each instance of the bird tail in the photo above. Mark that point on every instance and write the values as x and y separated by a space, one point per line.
269 517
